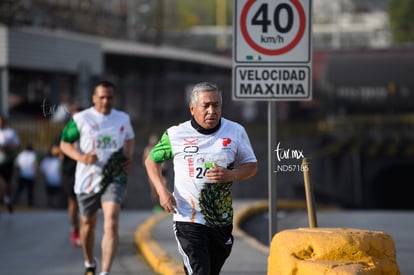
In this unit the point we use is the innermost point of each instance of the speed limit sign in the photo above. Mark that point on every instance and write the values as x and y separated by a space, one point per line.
272 31
272 50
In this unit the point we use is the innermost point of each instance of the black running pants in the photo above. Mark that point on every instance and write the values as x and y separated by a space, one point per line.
204 249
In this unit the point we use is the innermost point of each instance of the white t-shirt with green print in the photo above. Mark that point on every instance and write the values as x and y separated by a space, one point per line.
105 135
193 153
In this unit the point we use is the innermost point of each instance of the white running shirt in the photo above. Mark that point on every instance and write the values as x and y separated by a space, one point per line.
105 135
26 161
193 153
51 169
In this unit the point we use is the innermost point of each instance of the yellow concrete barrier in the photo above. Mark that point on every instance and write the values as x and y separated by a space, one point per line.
332 251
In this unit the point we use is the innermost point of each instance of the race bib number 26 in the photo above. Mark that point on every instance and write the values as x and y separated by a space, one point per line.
203 162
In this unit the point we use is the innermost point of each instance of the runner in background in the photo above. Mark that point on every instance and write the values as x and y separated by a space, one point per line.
27 164
9 146
50 167
102 141
152 140
68 184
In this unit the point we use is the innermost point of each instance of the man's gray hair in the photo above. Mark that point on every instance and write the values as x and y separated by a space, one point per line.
203 87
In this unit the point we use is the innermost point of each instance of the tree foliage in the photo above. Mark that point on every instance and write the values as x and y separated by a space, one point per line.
402 20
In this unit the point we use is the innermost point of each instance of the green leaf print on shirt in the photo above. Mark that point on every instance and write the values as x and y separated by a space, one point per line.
216 203
113 171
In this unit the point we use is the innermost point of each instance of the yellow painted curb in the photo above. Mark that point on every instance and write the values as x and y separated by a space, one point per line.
156 257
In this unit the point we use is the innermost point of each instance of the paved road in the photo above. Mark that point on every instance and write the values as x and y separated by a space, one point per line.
37 242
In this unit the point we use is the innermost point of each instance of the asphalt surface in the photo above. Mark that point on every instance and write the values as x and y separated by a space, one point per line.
37 242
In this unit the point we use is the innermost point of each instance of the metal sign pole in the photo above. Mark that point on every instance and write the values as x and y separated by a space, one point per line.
272 125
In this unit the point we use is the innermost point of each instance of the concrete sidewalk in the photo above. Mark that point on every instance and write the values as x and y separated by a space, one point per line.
249 257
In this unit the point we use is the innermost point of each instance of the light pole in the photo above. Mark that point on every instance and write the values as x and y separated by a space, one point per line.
221 21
